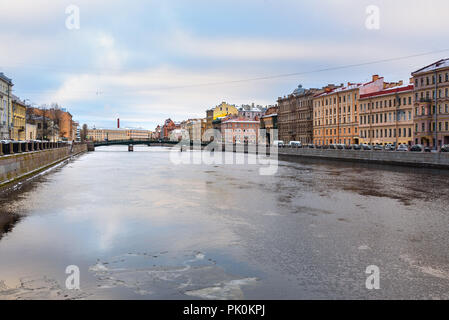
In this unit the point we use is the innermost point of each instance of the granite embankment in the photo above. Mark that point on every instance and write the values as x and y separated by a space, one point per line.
14 167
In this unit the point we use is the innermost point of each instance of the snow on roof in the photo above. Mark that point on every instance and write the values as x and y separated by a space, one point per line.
240 120
270 115
443 63
389 91
5 78
340 89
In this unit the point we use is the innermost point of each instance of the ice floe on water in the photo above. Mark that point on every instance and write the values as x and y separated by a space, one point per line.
166 275
177 275
42 288
230 290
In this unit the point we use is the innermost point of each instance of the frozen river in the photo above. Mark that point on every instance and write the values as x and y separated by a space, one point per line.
138 226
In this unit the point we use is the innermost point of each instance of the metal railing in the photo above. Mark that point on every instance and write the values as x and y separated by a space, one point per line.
13 147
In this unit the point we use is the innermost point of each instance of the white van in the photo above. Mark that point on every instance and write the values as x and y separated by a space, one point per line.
295 144
278 143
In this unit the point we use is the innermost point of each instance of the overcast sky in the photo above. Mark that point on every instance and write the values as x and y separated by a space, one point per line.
145 61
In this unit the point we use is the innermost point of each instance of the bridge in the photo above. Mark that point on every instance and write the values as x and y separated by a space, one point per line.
134 142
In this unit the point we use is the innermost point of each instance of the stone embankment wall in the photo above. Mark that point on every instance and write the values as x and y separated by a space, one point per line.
19 165
415 159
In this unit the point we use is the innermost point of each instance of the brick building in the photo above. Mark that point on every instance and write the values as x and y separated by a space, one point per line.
295 115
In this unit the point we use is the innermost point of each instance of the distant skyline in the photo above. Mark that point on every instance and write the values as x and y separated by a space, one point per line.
145 61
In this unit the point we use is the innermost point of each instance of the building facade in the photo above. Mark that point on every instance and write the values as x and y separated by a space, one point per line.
5 106
431 104
60 117
31 131
46 128
240 131
335 115
196 129
251 112
386 116
18 130
295 115
167 128
269 122
222 110
118 134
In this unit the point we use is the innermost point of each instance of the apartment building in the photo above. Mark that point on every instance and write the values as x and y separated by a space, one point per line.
386 116
295 115
18 129
5 106
431 104
240 130
335 115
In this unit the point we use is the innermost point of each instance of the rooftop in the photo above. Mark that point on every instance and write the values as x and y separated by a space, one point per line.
5 78
443 63
403 88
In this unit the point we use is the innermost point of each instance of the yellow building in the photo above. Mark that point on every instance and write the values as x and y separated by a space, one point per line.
386 116
220 111
335 116
18 130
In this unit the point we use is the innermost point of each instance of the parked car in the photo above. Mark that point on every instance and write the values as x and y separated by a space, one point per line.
348 146
278 143
378 147
389 147
402 147
340 146
356 147
295 144
417 148
366 146
445 148
427 149
311 146
319 146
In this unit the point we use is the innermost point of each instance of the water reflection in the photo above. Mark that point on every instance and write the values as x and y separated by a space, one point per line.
140 227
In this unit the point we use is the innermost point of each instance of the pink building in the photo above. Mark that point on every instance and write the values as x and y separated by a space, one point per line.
240 130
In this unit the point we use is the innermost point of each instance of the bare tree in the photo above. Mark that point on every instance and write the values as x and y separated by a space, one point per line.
84 133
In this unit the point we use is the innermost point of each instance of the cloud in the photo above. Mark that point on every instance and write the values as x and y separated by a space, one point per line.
266 49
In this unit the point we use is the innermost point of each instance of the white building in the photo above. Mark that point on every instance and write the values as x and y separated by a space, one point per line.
5 106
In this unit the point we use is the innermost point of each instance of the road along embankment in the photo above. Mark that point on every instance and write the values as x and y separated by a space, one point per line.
412 159
15 167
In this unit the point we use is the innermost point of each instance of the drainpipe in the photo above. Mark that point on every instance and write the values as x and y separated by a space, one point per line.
436 111
9 115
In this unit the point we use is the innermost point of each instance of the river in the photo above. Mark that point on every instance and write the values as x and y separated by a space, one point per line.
138 226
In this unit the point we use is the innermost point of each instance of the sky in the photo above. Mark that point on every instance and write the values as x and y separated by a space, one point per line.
146 61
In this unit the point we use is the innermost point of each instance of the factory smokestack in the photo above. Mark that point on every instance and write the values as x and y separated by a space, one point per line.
118 123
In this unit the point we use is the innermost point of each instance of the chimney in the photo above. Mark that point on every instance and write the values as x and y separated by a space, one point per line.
375 77
401 83
118 123
411 80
